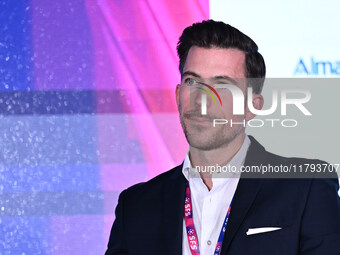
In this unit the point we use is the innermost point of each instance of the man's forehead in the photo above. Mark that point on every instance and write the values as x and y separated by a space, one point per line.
214 62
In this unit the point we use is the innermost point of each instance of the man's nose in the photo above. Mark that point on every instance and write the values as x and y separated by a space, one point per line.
201 99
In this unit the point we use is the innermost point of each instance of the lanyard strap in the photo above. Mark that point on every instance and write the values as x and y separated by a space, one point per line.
191 231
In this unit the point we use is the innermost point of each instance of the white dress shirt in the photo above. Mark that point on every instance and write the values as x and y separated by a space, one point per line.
210 207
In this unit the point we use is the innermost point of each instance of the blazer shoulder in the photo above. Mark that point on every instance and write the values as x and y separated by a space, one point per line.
257 151
290 160
289 167
154 185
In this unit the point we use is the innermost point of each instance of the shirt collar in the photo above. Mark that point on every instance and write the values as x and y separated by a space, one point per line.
237 161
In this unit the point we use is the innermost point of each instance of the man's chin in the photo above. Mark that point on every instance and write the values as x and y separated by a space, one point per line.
203 140
203 146
210 138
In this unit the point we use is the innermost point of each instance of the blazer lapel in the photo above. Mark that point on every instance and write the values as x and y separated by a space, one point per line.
173 213
245 194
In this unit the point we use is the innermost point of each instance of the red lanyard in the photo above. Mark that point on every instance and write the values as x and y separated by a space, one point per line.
190 227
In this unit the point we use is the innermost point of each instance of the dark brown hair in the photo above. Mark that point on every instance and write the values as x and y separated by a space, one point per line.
210 33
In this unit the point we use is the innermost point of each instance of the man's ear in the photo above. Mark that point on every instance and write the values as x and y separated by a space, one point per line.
257 101
177 95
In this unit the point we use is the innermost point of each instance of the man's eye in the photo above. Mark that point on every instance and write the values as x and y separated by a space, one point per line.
190 81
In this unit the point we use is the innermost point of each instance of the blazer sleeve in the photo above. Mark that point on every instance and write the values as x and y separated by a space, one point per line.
117 242
320 225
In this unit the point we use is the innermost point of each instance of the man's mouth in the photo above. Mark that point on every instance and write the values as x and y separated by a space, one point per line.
199 119
194 118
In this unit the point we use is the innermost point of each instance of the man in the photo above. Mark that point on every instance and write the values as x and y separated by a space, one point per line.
184 211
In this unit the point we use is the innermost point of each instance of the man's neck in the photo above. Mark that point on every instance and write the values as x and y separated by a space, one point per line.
219 156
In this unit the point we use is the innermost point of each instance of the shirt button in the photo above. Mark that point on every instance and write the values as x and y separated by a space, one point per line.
209 242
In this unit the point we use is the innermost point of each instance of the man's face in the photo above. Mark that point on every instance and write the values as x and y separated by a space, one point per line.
210 66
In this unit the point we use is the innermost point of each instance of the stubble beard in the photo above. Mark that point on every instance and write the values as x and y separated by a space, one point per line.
207 138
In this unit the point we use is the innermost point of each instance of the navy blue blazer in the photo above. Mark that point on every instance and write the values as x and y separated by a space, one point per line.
149 216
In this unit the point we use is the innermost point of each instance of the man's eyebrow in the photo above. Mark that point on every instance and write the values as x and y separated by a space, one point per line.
224 77
218 77
191 73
